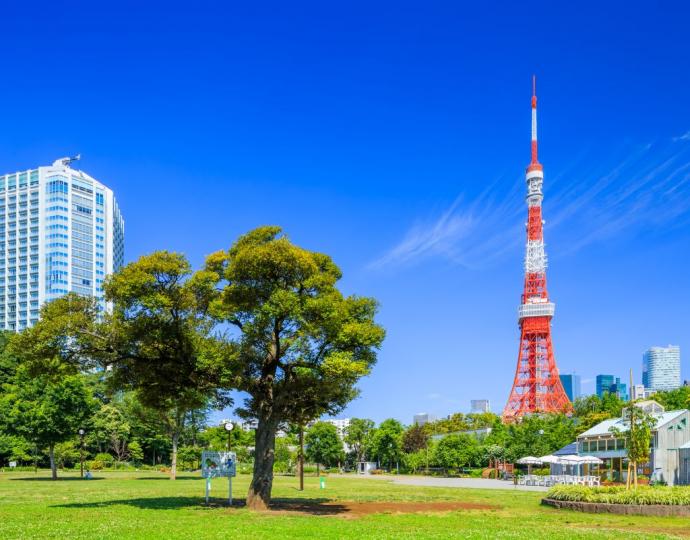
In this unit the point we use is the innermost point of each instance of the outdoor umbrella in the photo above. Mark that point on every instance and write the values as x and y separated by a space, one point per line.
529 461
572 460
591 460
549 459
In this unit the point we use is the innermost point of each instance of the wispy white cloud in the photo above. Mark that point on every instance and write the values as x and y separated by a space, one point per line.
684 137
438 237
646 186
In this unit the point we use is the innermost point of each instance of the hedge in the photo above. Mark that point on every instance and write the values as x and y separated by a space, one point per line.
619 495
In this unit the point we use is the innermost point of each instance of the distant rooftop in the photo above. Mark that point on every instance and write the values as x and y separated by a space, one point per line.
604 428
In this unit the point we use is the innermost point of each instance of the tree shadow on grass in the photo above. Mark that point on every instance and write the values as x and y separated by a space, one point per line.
319 507
59 479
167 478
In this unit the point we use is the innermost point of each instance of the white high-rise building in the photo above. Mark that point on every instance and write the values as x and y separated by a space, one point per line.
661 368
479 406
341 424
640 392
60 231
423 418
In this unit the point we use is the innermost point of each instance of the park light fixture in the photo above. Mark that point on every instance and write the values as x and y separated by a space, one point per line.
229 426
81 432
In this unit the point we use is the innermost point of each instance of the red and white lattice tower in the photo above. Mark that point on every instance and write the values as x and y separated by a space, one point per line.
537 387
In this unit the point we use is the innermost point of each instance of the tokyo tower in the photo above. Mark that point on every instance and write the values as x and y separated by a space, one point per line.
537 387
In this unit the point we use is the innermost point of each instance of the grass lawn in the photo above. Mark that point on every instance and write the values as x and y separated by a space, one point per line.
148 505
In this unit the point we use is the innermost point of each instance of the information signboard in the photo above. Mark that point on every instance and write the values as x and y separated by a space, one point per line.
216 464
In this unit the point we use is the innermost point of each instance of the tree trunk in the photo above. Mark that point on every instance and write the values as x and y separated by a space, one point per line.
53 465
259 495
301 458
173 464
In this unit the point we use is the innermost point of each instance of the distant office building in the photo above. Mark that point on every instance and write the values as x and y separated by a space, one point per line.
661 368
640 392
423 418
479 406
608 384
604 383
249 425
341 425
571 384
620 389
60 231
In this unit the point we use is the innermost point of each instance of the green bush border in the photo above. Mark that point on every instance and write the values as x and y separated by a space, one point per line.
643 495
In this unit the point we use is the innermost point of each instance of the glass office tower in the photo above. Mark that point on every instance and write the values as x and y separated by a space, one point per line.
661 368
60 231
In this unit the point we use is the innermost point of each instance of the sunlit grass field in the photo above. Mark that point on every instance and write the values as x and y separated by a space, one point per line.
149 505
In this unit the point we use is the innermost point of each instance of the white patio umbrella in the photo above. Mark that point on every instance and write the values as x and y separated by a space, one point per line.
573 460
549 459
591 460
529 461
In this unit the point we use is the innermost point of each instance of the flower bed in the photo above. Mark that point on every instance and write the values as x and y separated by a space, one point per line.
643 495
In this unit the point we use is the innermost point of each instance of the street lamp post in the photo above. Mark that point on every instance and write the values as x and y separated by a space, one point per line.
229 427
81 451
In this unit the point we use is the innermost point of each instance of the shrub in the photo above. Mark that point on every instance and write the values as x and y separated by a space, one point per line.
104 458
619 495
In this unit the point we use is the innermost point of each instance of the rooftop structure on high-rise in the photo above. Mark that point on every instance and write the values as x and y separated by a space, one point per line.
60 231
536 386
661 368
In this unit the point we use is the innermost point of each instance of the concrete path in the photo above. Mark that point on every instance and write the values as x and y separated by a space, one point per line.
431 481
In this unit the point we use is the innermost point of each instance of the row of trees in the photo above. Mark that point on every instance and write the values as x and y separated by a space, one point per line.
264 318
415 448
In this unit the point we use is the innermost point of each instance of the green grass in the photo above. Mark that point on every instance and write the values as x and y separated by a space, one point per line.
148 505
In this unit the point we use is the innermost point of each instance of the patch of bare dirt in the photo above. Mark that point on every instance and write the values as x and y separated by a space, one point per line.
359 509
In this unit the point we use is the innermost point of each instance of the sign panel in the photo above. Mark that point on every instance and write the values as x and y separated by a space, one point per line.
217 464
13 464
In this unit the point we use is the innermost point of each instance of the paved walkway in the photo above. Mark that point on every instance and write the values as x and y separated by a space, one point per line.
431 481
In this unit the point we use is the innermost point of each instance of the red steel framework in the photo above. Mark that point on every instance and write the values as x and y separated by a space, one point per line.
537 388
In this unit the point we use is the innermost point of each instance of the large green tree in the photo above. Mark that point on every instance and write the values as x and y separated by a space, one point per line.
157 339
358 435
46 411
111 428
455 451
415 439
298 343
324 446
386 443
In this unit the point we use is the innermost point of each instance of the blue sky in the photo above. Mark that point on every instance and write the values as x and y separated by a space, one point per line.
394 137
